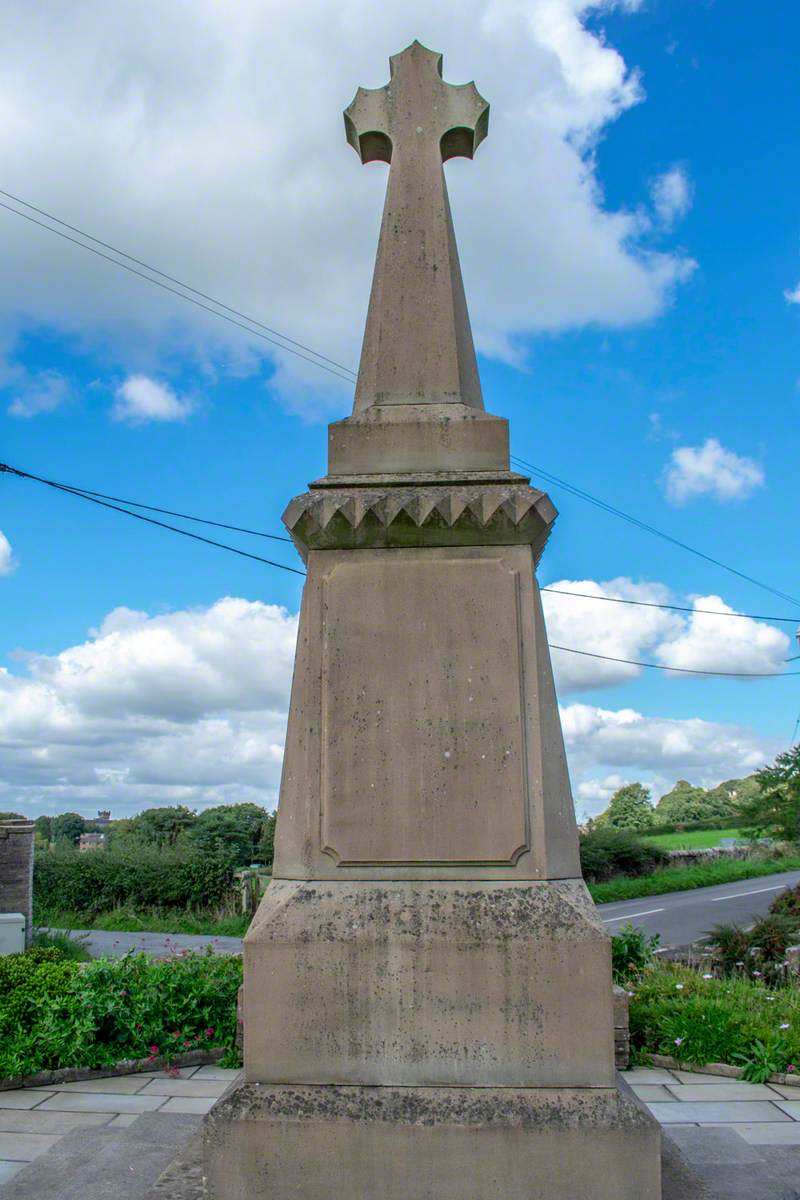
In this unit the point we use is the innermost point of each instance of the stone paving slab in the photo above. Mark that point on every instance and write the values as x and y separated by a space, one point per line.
647 1075
226 1073
103 1102
720 1144
791 1107
189 1104
717 1114
119 1085
688 1093
27 1120
185 1087
123 1120
650 1092
24 1147
24 1097
790 1093
8 1170
765 1133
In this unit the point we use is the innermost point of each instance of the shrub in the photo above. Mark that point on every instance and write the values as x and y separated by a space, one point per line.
54 1013
606 851
760 951
787 903
140 877
632 951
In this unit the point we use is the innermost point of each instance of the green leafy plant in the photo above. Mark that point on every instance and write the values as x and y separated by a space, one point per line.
632 952
58 1013
763 1059
606 851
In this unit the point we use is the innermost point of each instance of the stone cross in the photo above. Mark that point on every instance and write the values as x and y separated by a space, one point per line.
417 343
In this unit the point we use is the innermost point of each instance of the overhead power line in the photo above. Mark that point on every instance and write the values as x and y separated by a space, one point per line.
258 329
253 327
70 491
682 670
94 498
89 493
618 512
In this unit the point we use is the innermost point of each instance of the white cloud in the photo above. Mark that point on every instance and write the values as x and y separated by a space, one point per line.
792 295
174 138
616 630
36 393
672 195
699 641
710 644
710 470
7 563
139 400
605 746
188 707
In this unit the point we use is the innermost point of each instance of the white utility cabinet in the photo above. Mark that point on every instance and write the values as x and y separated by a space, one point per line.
12 933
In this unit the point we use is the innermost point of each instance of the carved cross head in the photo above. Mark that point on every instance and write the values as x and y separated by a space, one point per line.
416 109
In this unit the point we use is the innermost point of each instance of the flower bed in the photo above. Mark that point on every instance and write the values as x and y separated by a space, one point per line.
697 1019
56 1014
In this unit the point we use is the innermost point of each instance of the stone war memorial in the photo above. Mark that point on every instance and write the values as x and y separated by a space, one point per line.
427 997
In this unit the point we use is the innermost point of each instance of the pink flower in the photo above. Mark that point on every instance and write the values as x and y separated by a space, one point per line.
678 1041
153 1049
756 974
791 1067
708 977
210 1031
785 1025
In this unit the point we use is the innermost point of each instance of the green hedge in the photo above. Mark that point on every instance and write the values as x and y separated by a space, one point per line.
55 1013
99 880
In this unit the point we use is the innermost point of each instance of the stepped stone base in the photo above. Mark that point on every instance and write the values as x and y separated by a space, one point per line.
431 1144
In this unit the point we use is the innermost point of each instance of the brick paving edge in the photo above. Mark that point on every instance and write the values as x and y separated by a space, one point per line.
127 1066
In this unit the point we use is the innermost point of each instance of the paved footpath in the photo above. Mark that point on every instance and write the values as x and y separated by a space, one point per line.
745 1116
680 918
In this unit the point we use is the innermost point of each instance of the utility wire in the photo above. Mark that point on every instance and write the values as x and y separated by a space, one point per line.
672 607
300 350
61 487
683 670
94 499
188 287
618 512
191 299
82 491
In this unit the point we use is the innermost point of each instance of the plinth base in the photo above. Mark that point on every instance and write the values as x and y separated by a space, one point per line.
268 1142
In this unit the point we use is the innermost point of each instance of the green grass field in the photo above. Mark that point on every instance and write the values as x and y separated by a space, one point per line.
693 839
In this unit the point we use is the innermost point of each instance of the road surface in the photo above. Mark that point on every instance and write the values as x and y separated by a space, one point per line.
679 918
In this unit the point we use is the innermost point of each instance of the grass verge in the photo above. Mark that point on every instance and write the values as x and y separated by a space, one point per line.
679 879
691 839
127 920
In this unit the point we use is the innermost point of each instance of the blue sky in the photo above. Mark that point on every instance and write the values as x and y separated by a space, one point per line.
629 234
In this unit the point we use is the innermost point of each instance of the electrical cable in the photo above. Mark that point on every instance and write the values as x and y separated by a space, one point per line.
259 329
76 489
94 499
188 287
618 512
151 520
683 670
198 303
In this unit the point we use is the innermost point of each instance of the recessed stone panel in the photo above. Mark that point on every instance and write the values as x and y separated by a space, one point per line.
423 748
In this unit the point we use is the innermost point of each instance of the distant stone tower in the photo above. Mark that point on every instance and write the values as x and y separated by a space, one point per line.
428 1006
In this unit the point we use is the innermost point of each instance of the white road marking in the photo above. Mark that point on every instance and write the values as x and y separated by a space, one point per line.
630 916
754 892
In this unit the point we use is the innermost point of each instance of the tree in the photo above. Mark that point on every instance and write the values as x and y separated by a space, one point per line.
161 826
11 816
68 827
44 828
687 803
630 808
236 829
776 807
